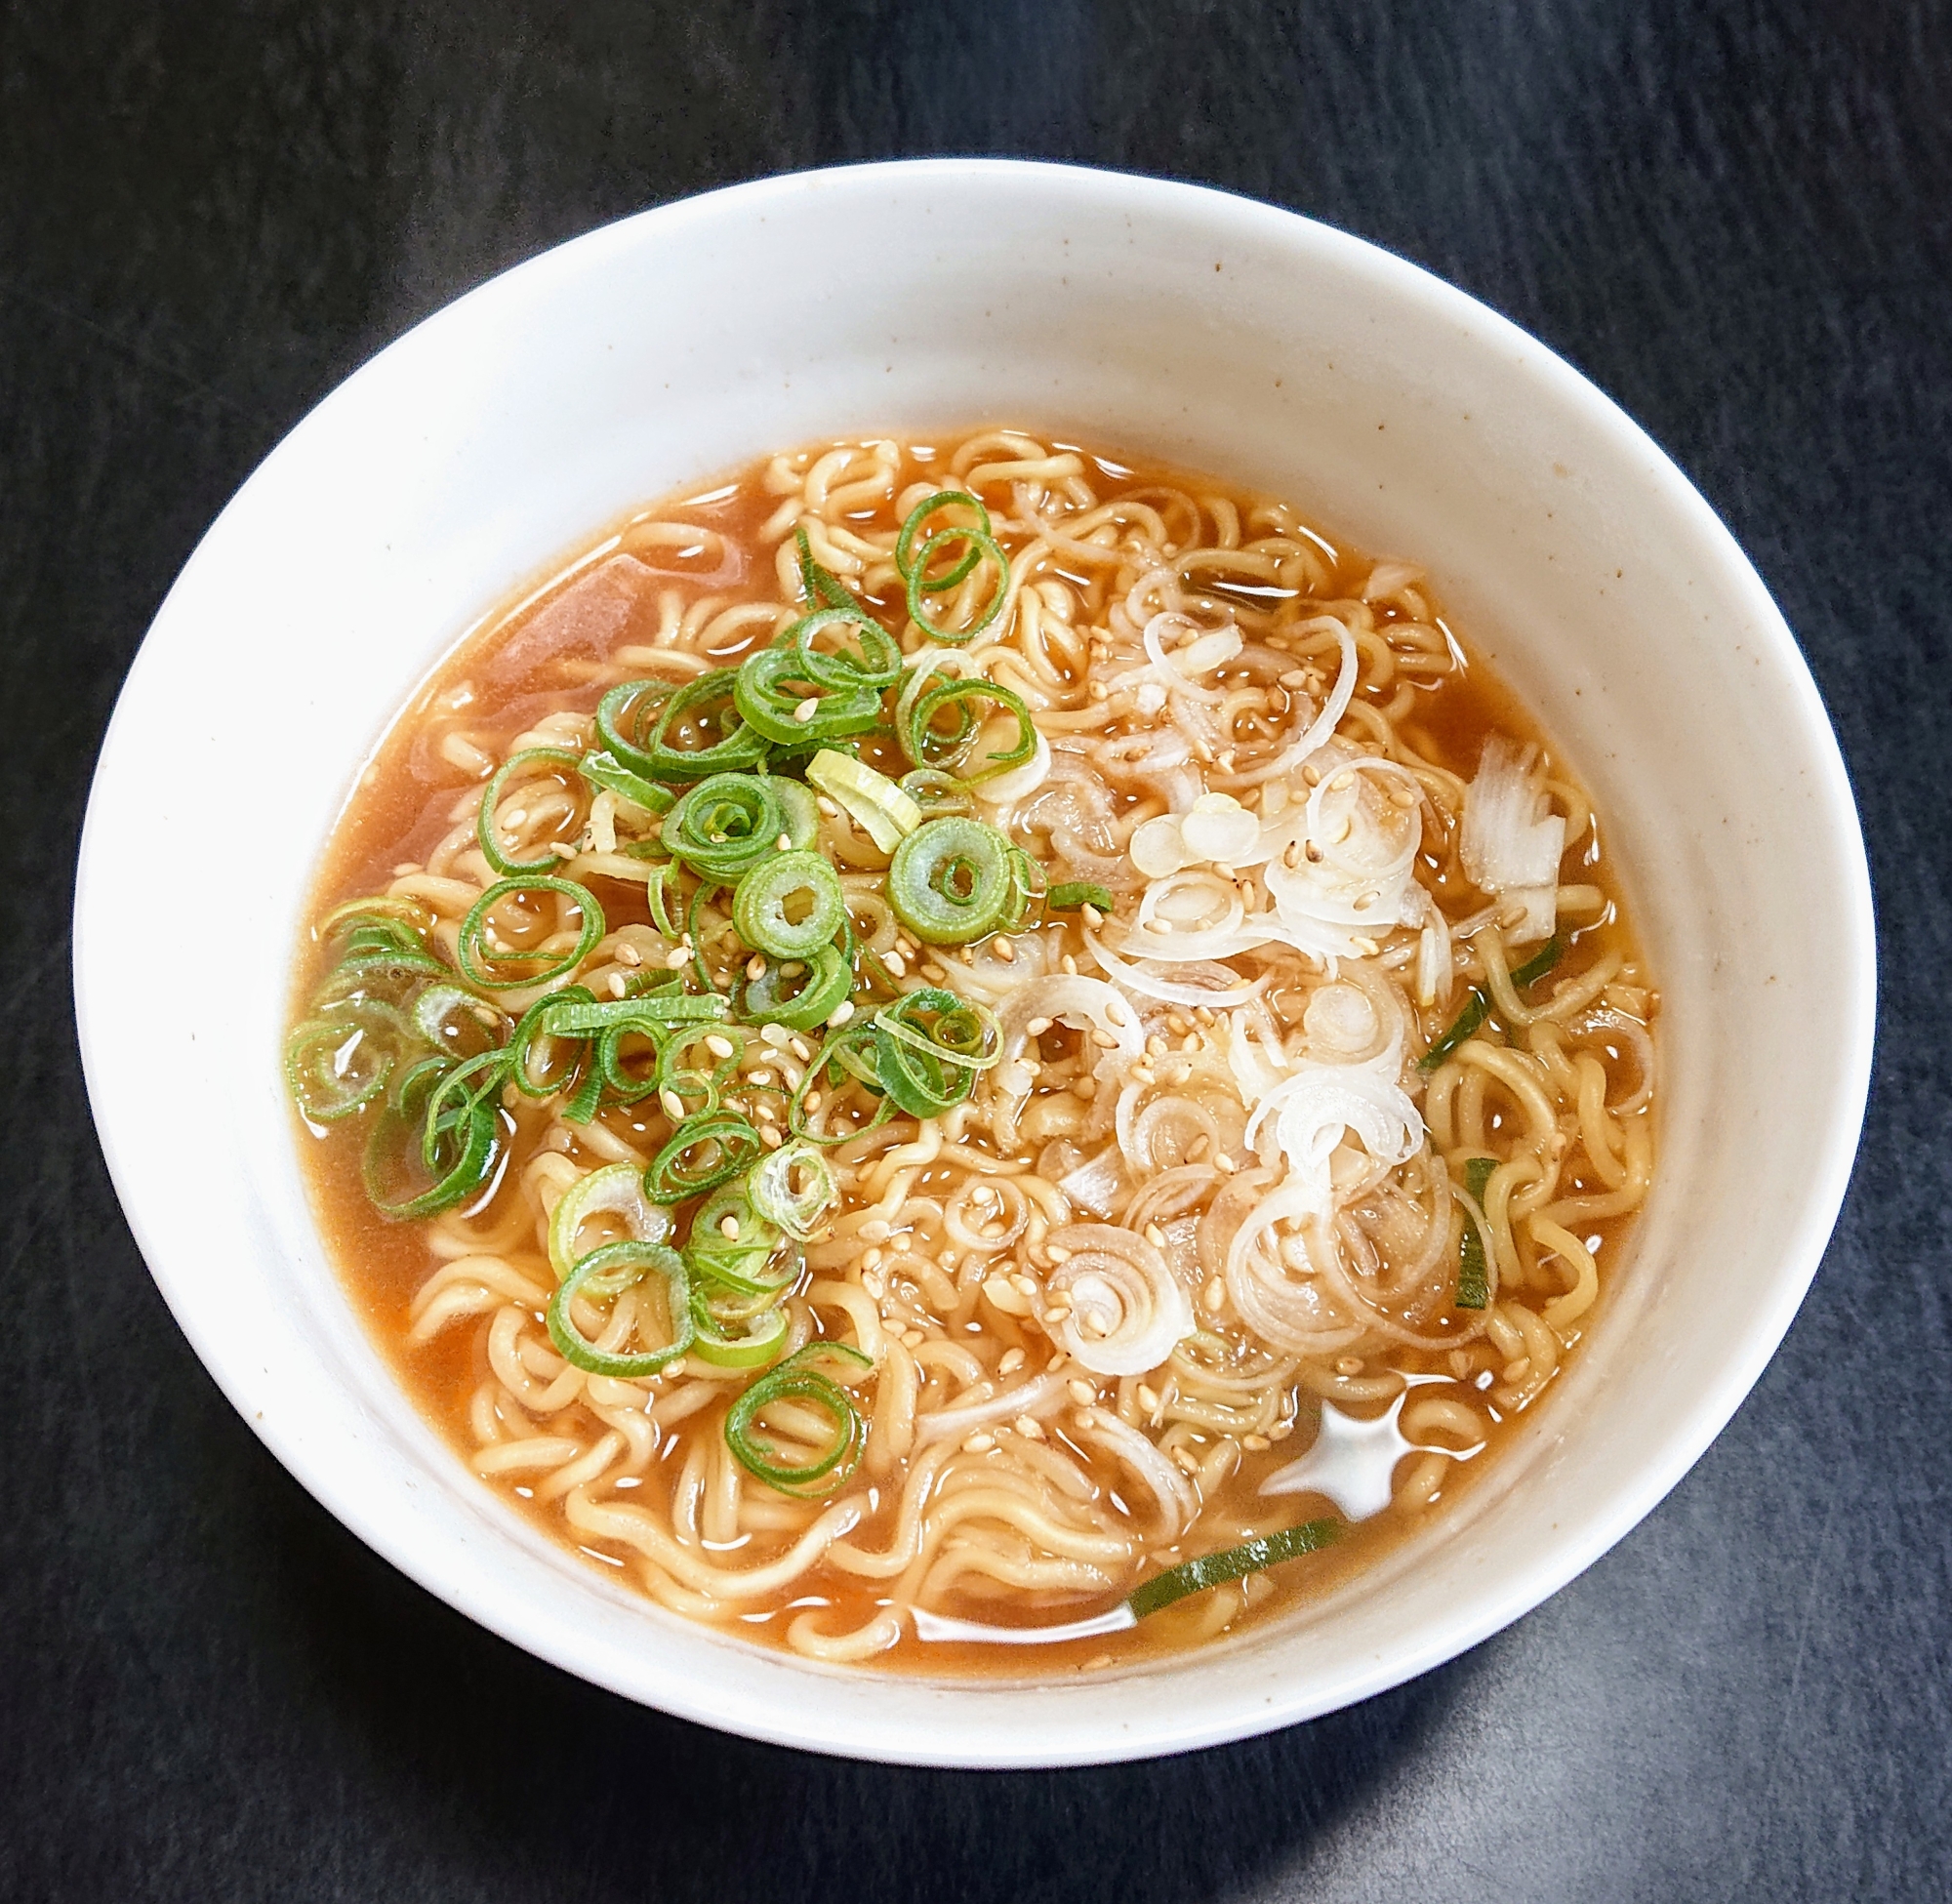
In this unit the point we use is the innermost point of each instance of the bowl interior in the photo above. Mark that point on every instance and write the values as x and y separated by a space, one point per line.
1206 330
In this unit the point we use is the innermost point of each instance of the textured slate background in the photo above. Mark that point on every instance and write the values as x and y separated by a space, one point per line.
1734 217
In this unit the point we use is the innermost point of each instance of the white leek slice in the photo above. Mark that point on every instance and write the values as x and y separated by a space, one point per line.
886 813
1510 838
1123 1312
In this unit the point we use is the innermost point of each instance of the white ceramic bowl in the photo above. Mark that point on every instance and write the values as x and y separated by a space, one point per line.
1208 330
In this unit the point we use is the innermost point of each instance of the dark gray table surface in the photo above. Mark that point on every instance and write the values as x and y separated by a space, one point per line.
1736 218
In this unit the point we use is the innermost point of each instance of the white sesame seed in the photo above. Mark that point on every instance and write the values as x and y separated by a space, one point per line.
770 1137
719 1048
934 974
1155 1236
1081 1392
678 958
674 1105
1149 1398
1038 1027
840 1014
728 1228
1012 1361
562 849
629 954
1057 1313
1213 1298
1092 916
1254 1444
1281 1431
756 967
807 709
1059 1254
896 964
1224 1163
617 987
1028 1428
784 842
1003 950
979 1444
827 806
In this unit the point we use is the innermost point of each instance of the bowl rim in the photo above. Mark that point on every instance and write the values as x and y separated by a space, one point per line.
1398 279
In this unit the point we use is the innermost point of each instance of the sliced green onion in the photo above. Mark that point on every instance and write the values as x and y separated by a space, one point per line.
706 706
404 923
1477 1008
731 1334
772 688
558 759
793 1188
726 826
886 812
458 1155
907 562
936 793
1230 1563
1472 1278
914 562
790 906
949 881
601 1267
703 1152
878 665
801 814
338 1065
1537 966
471 948
583 1100
605 770
928 1048
1075 893
824 983
817 583
369 974
930 745
534 1025
754 1257
678 1073
827 1468
660 1009
615 1190
446 1015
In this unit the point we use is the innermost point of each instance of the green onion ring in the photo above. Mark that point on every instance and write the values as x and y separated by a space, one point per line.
734 1147
905 561
617 1189
773 684
376 1031
1473 1279
759 906
878 664
532 1025
825 1470
928 747
798 1212
763 1330
637 1260
825 983
727 824
981 545
817 583
706 703
459 1168
950 880
562 760
474 926
605 770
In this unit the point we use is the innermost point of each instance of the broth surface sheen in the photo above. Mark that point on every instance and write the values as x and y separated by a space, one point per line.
1269 1194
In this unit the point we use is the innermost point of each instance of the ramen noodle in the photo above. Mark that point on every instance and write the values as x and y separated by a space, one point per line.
958 1047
